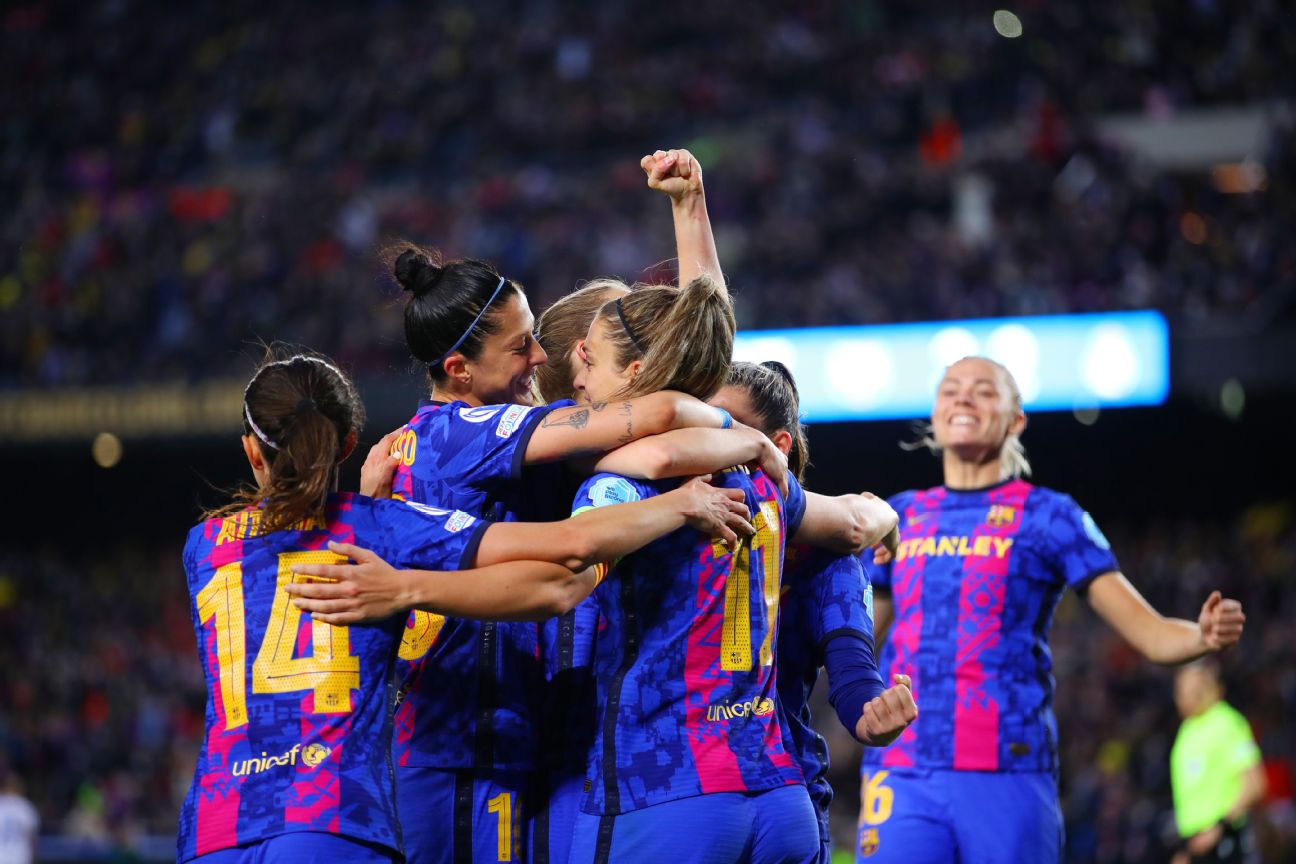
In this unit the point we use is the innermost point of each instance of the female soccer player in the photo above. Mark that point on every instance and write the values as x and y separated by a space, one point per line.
689 761
980 566
465 729
296 766
825 613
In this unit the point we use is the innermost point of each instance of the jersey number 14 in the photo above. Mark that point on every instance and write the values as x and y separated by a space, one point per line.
331 672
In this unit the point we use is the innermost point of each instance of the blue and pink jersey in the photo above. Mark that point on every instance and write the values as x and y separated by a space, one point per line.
825 595
298 711
471 690
975 581
684 659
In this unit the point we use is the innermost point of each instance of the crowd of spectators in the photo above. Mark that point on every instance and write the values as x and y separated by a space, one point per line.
181 178
101 696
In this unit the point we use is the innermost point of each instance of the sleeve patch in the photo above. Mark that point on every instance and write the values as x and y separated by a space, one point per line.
458 521
868 601
613 490
513 416
1096 535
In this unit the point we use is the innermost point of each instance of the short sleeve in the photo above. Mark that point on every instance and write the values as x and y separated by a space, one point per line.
795 506
604 490
430 538
844 600
1242 752
1082 552
478 447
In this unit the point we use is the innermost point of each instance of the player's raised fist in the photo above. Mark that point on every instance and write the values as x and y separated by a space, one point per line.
674 172
1221 622
887 715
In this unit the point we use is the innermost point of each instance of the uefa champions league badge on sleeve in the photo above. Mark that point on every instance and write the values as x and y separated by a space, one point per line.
613 490
868 601
511 420
1095 534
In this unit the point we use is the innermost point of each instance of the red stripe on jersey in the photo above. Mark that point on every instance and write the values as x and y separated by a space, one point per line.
717 766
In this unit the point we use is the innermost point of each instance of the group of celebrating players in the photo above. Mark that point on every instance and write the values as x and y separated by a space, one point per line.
579 610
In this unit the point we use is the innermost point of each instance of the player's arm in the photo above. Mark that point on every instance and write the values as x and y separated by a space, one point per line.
678 174
604 534
847 524
553 571
370 589
1253 789
688 452
603 426
1164 640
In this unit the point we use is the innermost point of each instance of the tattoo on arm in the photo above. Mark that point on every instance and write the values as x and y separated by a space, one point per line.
627 411
576 420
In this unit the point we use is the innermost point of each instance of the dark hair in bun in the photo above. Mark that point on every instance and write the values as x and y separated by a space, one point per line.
452 304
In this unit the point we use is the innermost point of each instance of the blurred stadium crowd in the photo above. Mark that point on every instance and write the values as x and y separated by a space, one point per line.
101 695
180 178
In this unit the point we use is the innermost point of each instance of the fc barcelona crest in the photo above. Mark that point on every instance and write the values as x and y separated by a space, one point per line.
868 842
1001 515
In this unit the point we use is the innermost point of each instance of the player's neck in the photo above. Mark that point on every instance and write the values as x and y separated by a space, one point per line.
447 393
962 474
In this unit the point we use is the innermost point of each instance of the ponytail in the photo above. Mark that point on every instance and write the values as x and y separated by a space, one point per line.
683 336
303 412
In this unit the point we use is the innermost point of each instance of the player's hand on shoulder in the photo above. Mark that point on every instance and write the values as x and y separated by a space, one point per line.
368 590
1221 621
889 714
379 469
675 172
714 510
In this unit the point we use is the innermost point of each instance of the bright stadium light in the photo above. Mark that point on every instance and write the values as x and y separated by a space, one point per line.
1007 24
1110 362
890 371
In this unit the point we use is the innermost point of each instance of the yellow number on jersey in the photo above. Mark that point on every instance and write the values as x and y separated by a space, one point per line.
330 671
876 799
735 631
222 599
421 631
503 805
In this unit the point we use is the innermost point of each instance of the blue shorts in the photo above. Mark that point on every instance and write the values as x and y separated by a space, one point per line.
773 827
553 818
303 847
451 816
969 817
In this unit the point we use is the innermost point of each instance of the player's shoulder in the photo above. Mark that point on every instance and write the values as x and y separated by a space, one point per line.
1043 498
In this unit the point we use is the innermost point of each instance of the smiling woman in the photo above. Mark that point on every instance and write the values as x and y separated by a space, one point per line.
470 325
982 561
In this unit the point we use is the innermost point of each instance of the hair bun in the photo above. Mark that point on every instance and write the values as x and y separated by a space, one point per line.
416 271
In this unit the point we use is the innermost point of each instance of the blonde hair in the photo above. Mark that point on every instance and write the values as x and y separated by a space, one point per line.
683 336
1012 455
564 324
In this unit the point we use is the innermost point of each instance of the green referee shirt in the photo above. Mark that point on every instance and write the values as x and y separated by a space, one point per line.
1210 755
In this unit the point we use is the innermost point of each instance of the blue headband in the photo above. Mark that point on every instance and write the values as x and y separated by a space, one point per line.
468 332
